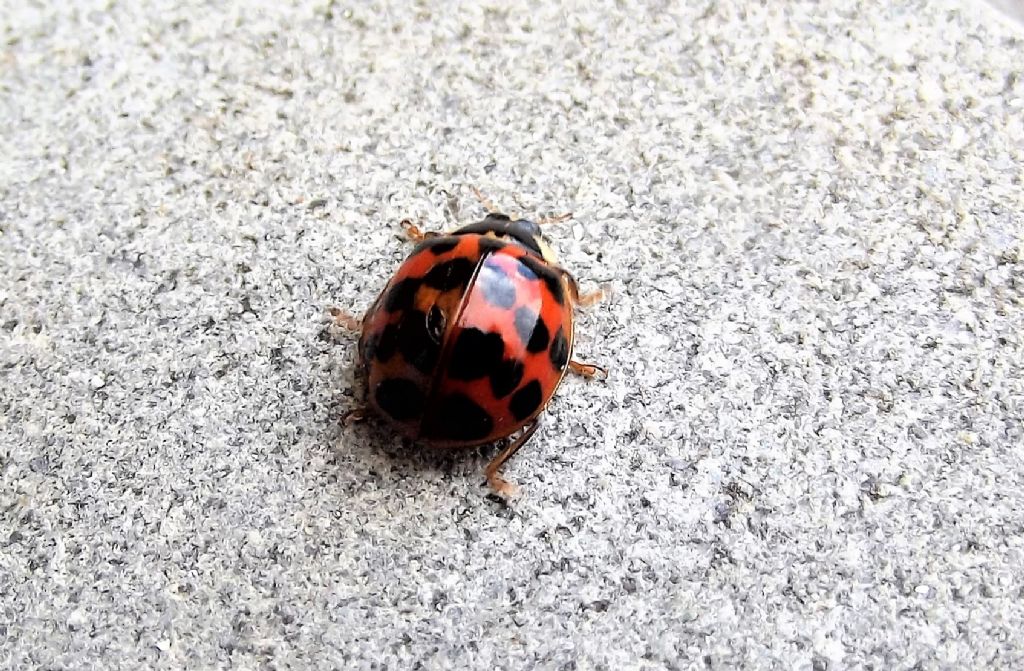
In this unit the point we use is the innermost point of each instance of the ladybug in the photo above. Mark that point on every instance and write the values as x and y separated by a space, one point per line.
469 340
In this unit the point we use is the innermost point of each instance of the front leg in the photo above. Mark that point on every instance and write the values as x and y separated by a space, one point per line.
415 233
345 320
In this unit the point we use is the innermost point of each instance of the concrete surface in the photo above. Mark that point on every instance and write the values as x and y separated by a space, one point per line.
808 454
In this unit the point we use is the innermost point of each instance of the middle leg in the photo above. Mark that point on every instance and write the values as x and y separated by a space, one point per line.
498 483
587 370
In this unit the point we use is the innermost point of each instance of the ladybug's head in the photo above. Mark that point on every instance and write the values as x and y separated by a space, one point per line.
523 232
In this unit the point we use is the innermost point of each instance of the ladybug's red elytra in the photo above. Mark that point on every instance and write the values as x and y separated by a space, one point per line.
471 337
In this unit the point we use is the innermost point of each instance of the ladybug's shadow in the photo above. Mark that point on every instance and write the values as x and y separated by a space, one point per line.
394 459
373 451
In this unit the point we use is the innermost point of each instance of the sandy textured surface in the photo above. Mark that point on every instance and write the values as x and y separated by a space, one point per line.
810 451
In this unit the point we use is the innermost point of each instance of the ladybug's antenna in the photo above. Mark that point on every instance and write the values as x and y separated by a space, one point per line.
485 201
553 219
491 209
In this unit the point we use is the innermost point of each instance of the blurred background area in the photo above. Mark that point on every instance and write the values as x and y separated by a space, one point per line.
1013 9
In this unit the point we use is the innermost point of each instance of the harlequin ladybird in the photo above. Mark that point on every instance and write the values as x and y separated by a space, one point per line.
471 337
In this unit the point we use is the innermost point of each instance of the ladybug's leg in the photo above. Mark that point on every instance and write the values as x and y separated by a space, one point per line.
415 233
587 370
582 300
498 483
350 323
588 299
355 416
345 320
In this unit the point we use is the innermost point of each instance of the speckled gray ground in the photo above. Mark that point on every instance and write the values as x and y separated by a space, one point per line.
808 454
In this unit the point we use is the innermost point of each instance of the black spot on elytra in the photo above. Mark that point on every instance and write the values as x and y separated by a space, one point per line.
506 377
400 398
436 322
450 274
552 279
532 330
526 401
401 295
559 351
475 354
539 339
498 288
415 343
440 246
387 343
458 417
